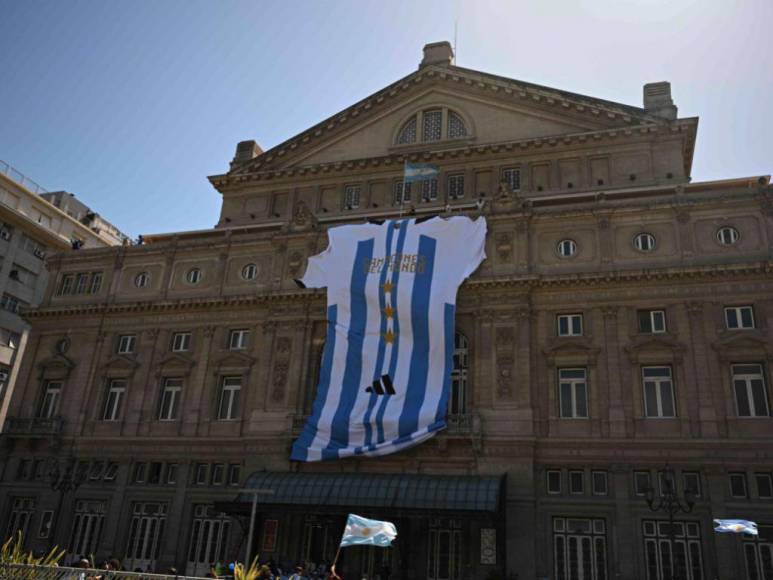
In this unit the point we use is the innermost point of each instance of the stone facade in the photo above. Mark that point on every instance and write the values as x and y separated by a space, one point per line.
620 324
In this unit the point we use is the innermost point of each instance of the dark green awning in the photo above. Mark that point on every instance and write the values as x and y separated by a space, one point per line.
399 491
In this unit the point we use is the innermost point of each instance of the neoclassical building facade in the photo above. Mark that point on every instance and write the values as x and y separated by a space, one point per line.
615 342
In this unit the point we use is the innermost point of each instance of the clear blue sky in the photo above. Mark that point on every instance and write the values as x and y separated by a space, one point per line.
131 104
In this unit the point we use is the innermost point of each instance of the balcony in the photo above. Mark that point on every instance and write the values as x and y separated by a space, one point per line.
461 425
33 427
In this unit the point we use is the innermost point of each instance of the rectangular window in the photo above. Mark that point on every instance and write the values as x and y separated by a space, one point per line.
171 473
9 338
218 474
600 483
456 186
114 399
739 317
66 285
23 470
230 391
576 482
764 485
96 470
49 404
11 303
111 471
401 192
738 485
758 553
569 324
181 341
554 481
691 481
352 196
140 470
642 481
200 476
81 283
658 392
428 190
652 321
22 275
237 340
511 177
126 343
171 393
579 549
573 393
96 283
751 396
154 473
234 473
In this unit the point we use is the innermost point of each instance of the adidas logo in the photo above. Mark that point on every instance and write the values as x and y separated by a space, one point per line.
382 386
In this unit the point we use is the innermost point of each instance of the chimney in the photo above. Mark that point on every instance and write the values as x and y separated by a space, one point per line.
245 151
657 100
437 53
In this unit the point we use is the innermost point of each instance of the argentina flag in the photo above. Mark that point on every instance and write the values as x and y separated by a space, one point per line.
420 171
735 527
386 368
361 531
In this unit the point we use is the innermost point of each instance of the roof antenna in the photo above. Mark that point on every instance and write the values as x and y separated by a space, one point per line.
456 22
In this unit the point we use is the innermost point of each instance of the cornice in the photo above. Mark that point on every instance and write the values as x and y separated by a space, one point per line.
518 282
502 88
260 172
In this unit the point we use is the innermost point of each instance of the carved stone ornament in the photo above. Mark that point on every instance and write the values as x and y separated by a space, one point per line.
504 376
505 336
281 370
294 263
504 246
283 345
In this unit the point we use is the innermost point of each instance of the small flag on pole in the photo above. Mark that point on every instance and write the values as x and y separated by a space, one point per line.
735 527
361 531
420 172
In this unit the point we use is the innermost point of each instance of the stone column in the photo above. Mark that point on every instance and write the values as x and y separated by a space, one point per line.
700 389
611 374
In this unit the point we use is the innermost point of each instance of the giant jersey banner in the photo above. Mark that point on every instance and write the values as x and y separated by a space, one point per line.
391 299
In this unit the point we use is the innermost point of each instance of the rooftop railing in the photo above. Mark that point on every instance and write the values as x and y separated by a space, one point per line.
15 175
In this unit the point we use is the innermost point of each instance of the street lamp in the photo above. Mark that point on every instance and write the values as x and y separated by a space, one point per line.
64 478
670 503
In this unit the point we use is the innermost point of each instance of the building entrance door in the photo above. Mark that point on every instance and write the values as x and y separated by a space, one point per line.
145 533
209 538
444 562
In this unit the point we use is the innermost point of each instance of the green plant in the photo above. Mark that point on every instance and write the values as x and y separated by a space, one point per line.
254 572
12 552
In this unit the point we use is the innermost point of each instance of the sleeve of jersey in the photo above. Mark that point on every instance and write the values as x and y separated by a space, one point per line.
473 247
317 269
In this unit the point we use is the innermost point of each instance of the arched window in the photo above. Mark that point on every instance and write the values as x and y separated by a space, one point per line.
408 132
436 124
644 242
456 126
457 404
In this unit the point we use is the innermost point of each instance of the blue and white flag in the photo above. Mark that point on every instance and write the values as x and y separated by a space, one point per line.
361 531
735 527
385 377
420 172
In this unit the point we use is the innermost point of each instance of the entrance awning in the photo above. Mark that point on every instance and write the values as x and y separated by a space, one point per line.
398 491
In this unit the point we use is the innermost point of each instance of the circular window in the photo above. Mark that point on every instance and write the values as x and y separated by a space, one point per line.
727 235
193 276
644 242
142 279
567 248
250 272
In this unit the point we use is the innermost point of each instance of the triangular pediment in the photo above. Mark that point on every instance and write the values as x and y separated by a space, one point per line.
747 341
176 363
495 109
57 362
120 362
571 347
654 343
233 360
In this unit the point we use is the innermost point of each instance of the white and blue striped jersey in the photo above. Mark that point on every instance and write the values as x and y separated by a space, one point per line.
391 299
